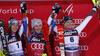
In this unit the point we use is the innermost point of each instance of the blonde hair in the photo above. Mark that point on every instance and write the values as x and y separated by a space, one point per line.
66 26
34 30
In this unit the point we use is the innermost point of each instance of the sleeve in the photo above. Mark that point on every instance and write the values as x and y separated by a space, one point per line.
51 22
86 21
25 26
21 30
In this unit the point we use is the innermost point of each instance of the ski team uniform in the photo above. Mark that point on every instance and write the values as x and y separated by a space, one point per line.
14 46
35 45
71 38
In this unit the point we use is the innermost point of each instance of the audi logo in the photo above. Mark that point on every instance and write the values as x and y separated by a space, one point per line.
83 34
83 47
37 46
25 50
77 21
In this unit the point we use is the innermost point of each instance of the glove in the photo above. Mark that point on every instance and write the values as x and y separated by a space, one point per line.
44 54
96 2
56 8
5 52
94 7
2 53
23 7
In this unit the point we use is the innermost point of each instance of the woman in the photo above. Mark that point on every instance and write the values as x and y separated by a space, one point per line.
35 39
14 38
71 33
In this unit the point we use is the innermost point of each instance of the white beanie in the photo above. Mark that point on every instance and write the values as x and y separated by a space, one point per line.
36 22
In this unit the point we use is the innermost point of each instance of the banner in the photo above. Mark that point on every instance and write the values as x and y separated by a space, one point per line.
89 37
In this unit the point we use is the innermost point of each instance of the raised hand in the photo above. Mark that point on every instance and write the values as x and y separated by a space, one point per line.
23 6
56 8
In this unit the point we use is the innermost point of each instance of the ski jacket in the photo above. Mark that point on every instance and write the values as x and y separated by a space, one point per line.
14 45
71 38
35 45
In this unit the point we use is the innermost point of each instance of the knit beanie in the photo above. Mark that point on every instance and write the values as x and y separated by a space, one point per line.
12 21
36 22
66 18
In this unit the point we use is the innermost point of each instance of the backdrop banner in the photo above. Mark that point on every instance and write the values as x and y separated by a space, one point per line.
89 37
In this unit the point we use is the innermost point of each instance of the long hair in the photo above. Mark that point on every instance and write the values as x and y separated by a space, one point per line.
16 35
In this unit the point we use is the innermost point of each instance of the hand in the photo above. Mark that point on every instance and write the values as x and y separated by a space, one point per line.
5 52
44 54
23 7
56 8
96 3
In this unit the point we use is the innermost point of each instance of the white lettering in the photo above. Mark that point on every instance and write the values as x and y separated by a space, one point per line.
4 11
7 11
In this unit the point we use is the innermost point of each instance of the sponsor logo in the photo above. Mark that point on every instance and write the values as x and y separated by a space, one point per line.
77 21
57 48
25 50
69 9
20 22
34 39
58 21
37 46
83 34
83 47
70 32
60 32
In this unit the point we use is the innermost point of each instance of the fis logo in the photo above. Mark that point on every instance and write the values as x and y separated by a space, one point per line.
69 9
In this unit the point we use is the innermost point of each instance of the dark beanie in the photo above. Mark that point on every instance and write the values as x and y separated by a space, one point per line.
66 18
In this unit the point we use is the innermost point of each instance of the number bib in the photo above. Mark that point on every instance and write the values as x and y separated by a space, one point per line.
15 47
71 43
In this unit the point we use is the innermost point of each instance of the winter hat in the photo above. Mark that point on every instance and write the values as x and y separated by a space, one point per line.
12 21
66 18
36 22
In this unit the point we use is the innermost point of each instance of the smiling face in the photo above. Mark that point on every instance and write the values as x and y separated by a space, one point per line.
69 24
38 28
14 27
